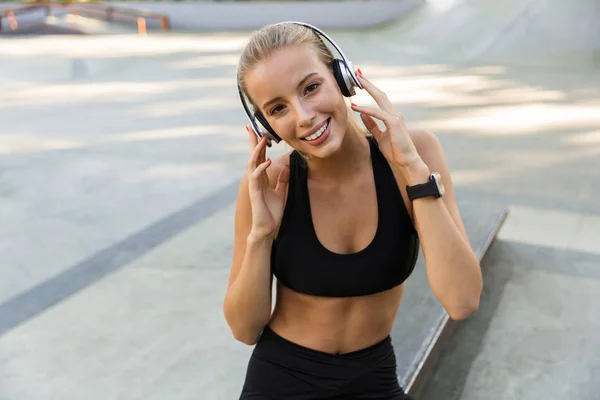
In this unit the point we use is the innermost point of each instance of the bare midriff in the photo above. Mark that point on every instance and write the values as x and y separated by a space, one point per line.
335 325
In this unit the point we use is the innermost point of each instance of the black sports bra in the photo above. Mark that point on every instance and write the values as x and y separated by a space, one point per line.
300 262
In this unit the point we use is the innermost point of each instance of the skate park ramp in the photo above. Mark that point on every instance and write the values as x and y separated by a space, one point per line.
77 18
120 157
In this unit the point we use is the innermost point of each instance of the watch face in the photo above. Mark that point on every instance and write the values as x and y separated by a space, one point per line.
438 181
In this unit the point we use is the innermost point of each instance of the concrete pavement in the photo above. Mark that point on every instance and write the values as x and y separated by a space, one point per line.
110 146
537 333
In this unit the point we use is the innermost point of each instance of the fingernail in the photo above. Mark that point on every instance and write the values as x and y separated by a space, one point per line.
359 72
268 159
354 105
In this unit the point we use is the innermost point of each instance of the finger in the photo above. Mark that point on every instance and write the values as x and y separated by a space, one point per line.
262 167
283 179
253 137
371 125
262 159
257 155
378 95
263 150
373 112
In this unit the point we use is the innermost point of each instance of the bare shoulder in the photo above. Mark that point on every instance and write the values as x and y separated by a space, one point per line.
428 146
276 166
430 149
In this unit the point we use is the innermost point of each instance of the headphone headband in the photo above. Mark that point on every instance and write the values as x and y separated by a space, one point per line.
330 40
347 66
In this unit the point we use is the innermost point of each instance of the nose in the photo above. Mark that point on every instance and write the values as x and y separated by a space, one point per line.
305 114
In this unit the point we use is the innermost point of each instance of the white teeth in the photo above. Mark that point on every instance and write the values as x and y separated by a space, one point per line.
318 133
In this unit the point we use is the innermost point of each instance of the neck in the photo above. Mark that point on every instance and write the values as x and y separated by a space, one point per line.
350 159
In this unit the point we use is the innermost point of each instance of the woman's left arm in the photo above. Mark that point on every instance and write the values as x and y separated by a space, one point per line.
453 269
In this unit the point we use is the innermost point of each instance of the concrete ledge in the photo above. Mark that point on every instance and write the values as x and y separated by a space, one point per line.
217 16
416 380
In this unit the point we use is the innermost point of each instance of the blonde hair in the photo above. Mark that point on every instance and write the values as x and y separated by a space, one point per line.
271 38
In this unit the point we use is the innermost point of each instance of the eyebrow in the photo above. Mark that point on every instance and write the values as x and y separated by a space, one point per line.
276 99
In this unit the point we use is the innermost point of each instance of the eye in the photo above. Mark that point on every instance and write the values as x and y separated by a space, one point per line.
276 109
312 87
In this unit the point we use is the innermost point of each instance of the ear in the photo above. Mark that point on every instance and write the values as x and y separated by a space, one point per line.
265 129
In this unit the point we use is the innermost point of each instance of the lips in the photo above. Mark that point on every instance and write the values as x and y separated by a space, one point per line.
321 135
318 132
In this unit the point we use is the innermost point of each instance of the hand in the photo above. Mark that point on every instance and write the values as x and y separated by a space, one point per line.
394 142
267 203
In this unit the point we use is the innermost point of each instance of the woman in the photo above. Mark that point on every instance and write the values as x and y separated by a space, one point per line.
338 221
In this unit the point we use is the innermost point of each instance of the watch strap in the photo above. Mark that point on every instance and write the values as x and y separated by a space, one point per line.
428 188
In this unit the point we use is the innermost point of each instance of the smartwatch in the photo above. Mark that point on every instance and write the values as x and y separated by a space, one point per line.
433 187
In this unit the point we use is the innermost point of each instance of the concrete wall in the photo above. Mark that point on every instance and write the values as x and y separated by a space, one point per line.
247 16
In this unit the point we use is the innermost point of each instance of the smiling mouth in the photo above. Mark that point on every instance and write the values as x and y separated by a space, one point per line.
318 133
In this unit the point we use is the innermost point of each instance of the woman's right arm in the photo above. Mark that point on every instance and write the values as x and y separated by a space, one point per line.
259 209
247 304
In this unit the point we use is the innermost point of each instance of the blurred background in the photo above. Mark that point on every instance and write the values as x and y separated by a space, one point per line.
122 144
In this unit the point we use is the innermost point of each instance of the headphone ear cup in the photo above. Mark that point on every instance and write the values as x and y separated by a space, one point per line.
344 81
265 128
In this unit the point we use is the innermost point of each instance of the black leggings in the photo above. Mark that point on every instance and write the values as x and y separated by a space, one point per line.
281 370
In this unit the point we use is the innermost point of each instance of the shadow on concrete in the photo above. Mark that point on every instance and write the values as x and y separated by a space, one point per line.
455 362
542 342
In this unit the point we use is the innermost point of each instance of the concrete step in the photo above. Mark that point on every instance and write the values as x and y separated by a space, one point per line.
422 325
536 333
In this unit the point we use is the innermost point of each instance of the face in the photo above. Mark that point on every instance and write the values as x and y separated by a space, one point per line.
299 97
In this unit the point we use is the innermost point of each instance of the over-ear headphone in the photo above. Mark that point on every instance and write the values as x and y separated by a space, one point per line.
344 74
